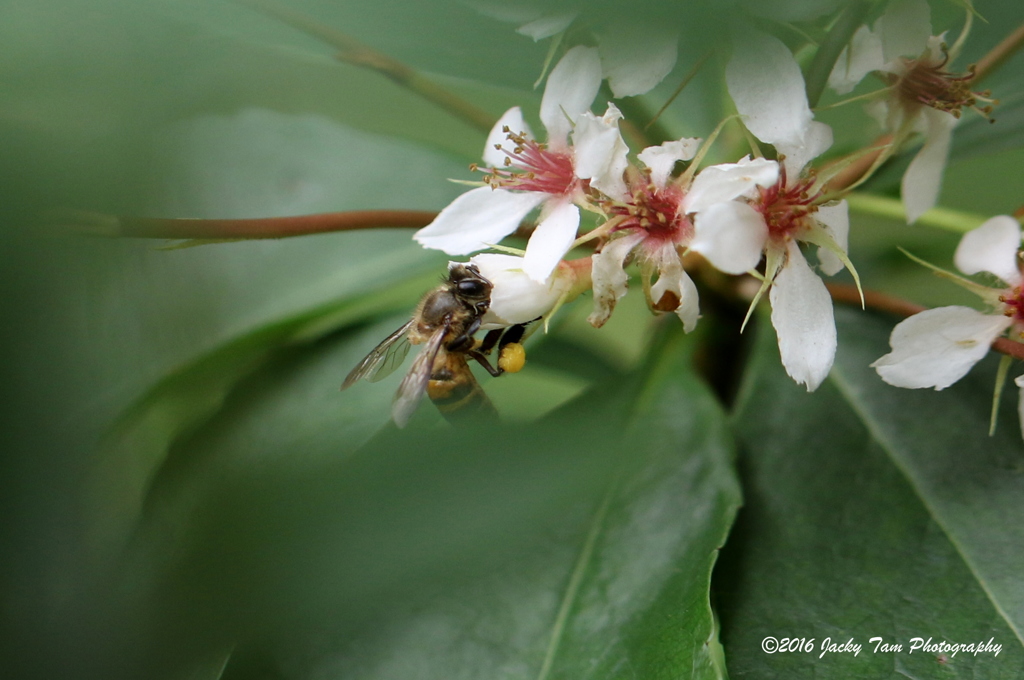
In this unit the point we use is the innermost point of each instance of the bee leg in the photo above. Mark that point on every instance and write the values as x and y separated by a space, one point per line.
512 334
464 342
482 360
489 341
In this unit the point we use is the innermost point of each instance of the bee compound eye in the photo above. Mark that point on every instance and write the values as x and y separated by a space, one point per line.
473 288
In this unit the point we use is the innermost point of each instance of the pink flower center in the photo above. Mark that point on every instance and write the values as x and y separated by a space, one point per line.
531 166
787 210
1013 304
655 212
927 82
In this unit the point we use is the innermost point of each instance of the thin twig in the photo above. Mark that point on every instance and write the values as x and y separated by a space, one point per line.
356 53
873 299
855 170
686 81
101 224
1009 348
999 54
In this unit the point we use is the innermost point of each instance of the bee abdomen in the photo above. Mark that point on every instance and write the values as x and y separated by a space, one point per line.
457 399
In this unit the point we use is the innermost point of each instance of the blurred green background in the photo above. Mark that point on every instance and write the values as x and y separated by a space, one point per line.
184 491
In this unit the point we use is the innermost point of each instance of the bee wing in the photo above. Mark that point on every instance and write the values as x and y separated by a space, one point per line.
383 360
414 384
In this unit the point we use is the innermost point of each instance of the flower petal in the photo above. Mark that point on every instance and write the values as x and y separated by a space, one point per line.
938 346
609 276
636 58
672 277
731 236
571 88
514 121
862 56
551 239
904 28
477 219
600 152
724 182
661 160
547 25
516 298
767 87
803 320
991 248
1019 380
923 178
836 221
816 140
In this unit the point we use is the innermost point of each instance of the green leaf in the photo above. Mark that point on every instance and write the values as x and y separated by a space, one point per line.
579 544
137 445
873 511
152 64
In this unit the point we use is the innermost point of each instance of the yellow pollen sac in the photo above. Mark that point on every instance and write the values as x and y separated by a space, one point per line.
513 358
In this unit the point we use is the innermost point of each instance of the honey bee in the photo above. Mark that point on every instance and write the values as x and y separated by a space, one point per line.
444 323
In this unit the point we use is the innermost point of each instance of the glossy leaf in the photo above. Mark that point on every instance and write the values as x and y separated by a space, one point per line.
581 544
137 445
872 512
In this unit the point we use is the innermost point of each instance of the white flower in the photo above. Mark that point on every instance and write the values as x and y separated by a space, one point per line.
923 97
648 220
527 174
516 298
755 206
937 347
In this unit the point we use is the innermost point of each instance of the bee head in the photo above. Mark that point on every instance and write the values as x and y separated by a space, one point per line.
467 281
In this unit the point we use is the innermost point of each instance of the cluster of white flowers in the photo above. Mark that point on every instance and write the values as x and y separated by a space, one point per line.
731 213
755 216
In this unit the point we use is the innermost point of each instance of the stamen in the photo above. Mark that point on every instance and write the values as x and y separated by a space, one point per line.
1013 304
530 166
926 82
653 210
786 209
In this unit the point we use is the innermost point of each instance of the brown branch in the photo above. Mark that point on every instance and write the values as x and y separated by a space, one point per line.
258 228
1009 348
873 300
847 294
999 54
855 170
